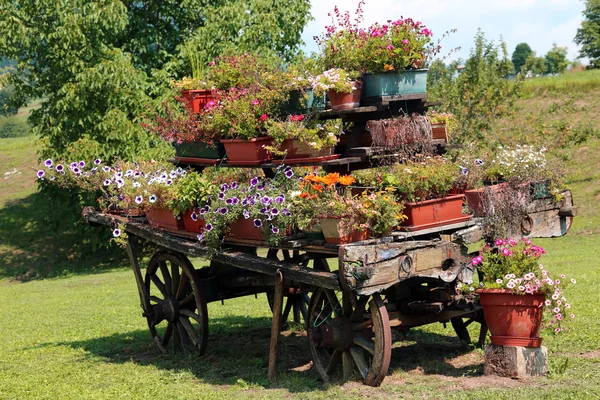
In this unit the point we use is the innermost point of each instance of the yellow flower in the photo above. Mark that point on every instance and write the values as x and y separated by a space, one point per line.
388 67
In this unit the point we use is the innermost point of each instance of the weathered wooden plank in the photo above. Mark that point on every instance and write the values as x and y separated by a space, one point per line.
407 321
275 326
437 229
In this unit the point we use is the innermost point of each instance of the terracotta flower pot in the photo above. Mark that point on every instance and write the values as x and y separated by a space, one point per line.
513 319
346 101
245 229
481 201
163 218
197 99
297 149
247 152
340 231
189 224
436 212
439 131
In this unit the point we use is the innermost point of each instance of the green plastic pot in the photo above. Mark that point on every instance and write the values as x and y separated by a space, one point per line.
199 150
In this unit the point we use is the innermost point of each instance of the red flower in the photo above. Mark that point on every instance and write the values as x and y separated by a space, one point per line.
263 117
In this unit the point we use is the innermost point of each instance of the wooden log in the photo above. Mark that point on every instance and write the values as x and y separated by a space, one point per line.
275 327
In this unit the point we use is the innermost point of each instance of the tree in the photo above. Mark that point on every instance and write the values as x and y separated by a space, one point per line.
480 93
520 55
100 65
535 65
556 60
588 35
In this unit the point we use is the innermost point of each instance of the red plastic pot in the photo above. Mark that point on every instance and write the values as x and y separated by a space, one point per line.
197 99
340 231
247 152
481 201
435 212
163 218
190 225
513 319
439 131
346 101
245 229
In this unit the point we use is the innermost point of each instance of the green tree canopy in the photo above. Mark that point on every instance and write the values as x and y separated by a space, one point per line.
478 94
100 65
556 60
535 65
520 55
588 35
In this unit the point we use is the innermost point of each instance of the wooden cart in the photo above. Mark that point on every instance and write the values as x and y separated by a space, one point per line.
405 280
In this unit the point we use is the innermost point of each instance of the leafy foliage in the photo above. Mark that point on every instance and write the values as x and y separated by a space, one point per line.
477 95
520 55
534 64
556 60
588 35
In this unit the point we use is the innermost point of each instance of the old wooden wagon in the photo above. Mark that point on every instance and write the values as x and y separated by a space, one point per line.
349 306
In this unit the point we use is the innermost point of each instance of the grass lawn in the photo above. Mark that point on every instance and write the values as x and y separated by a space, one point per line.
78 333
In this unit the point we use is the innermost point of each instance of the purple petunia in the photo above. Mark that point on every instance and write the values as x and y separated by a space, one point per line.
285 211
169 182
266 200
260 187
139 199
200 236
229 201
40 174
245 202
280 199
106 168
254 181
106 182
274 211
221 196
202 211
60 168
464 171
479 162
194 216
234 185
223 210
235 200
97 161
257 223
152 198
274 229
246 214
208 227
117 232
81 164
76 170
289 173
48 163
73 165
224 187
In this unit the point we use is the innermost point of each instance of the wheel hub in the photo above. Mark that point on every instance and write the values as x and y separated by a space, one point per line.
165 310
336 333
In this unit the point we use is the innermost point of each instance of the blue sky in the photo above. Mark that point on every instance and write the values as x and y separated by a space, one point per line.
536 22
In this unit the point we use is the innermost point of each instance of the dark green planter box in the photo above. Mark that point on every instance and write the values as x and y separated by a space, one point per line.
302 102
540 190
395 83
199 150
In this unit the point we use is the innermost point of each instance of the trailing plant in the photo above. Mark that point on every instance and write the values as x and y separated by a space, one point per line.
192 190
304 128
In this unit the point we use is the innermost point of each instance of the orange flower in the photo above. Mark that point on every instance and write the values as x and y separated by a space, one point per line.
346 180
318 188
388 67
303 195
331 179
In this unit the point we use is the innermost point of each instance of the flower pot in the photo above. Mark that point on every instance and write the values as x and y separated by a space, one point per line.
197 99
439 132
436 212
513 319
395 83
481 201
247 152
340 231
346 101
199 150
297 149
163 218
245 229
189 224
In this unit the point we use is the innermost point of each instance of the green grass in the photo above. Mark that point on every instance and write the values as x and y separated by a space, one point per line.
78 333
573 82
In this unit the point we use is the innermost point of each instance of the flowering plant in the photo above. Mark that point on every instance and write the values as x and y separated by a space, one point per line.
264 201
306 129
239 71
522 163
515 266
335 79
194 83
396 45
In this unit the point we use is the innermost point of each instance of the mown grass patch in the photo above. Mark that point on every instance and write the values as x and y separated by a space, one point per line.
567 83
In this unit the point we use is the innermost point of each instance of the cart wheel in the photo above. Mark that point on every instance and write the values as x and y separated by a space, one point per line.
460 325
296 301
356 336
176 299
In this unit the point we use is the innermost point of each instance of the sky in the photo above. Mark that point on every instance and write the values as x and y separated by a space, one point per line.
540 23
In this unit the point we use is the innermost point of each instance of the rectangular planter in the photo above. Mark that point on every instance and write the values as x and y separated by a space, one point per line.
302 102
190 225
244 229
247 152
340 231
163 218
481 201
435 212
395 83
199 150
297 149
197 99
439 131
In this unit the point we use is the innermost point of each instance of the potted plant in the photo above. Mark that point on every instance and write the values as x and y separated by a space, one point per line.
301 98
192 195
441 124
390 56
515 291
342 88
302 136
425 187
257 209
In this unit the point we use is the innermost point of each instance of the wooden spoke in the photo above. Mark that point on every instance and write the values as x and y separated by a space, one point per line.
177 299
365 344
333 336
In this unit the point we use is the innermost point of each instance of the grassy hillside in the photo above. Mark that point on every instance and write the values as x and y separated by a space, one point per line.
91 342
